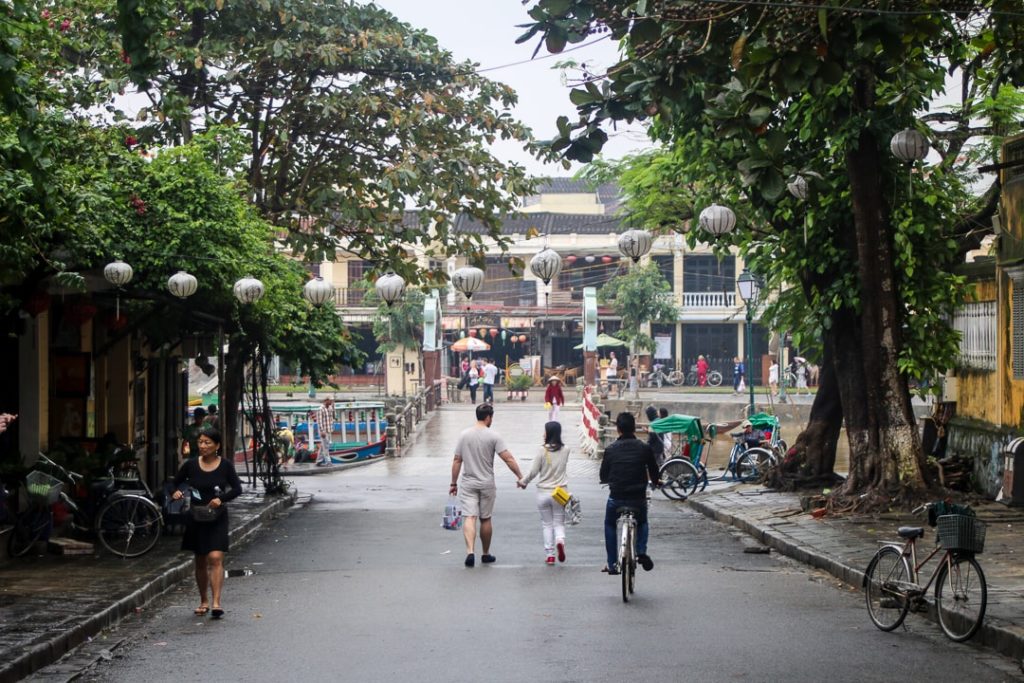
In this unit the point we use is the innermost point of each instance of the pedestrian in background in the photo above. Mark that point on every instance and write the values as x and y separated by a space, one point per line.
474 462
490 374
666 438
773 377
189 447
737 375
702 371
654 440
474 382
325 423
554 397
801 378
549 469
214 482
212 418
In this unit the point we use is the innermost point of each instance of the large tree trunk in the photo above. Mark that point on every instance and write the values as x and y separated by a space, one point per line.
885 448
813 459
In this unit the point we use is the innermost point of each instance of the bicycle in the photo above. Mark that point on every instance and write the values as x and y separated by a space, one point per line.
713 379
127 523
657 377
626 528
892 585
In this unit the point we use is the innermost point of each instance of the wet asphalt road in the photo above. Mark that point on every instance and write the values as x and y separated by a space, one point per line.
363 584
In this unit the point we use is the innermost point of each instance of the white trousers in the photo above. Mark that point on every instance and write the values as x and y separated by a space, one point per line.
553 412
552 520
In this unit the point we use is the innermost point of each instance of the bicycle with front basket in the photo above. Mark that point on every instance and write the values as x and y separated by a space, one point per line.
892 581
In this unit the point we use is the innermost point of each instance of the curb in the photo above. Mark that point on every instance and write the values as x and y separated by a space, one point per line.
1004 637
60 643
339 467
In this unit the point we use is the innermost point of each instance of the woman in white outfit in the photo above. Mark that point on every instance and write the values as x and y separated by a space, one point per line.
549 471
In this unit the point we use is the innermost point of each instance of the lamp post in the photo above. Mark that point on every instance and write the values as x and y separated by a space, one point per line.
750 288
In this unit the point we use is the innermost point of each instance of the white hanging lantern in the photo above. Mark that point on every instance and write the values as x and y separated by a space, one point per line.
909 145
590 259
718 220
546 265
182 284
318 291
798 187
468 280
635 244
248 290
390 287
118 273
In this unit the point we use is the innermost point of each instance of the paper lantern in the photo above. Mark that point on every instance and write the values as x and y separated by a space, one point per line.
909 145
635 244
390 287
468 280
472 332
492 332
483 332
590 259
36 303
79 312
504 335
570 259
522 339
718 220
462 334
248 290
318 291
118 273
115 322
606 259
182 284
798 187
546 265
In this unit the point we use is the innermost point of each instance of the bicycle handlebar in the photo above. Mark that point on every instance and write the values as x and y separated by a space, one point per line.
73 476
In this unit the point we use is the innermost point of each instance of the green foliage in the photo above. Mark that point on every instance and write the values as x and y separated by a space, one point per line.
400 324
520 382
640 296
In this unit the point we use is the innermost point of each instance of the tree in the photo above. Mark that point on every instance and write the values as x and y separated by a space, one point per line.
350 116
747 95
401 323
639 297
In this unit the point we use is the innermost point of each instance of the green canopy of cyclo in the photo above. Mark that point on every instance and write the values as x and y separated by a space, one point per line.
687 425
764 421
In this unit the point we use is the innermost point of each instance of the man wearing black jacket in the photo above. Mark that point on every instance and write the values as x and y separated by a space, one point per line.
627 466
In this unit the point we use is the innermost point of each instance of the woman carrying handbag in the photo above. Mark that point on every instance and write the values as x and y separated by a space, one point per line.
214 482
549 470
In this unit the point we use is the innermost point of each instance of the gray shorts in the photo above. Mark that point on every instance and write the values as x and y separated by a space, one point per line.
477 502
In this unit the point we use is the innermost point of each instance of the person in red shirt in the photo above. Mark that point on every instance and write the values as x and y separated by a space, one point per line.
554 398
702 371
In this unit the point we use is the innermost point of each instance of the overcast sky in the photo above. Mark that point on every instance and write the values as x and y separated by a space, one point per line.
484 31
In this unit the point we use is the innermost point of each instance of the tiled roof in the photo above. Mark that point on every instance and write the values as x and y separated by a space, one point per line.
548 223
608 194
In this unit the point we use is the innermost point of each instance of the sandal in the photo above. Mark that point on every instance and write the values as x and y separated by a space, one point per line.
216 613
201 611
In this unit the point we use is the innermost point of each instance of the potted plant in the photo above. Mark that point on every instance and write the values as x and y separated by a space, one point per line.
519 387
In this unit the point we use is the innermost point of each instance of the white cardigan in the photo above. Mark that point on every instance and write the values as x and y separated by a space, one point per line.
549 469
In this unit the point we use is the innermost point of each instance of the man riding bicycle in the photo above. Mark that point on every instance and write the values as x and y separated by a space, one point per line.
627 466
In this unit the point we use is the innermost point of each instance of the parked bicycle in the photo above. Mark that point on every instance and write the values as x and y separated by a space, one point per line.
127 521
714 378
657 377
892 582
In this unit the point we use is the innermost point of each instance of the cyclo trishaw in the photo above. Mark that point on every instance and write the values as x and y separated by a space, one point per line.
689 446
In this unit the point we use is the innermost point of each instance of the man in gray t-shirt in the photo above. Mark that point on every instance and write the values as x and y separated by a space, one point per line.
474 459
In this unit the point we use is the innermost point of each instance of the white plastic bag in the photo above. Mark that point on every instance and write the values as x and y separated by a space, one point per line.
573 511
452 518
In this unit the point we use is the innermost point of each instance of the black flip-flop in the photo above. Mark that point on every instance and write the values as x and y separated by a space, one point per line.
487 559
216 613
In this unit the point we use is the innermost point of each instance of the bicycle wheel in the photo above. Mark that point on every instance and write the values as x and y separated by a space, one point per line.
691 379
625 559
678 478
752 464
886 577
129 526
676 377
30 527
960 597
715 378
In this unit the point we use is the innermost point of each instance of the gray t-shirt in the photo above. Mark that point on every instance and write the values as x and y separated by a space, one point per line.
477 446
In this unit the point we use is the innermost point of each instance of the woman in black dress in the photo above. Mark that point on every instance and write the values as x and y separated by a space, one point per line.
216 482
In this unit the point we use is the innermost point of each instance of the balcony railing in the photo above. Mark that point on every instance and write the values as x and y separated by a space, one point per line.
709 299
349 298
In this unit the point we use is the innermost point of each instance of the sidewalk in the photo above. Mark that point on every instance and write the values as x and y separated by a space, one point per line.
50 604
843 546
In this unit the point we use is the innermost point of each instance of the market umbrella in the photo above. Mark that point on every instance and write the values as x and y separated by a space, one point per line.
604 340
470 344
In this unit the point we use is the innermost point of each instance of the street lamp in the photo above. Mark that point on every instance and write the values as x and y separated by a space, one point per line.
750 288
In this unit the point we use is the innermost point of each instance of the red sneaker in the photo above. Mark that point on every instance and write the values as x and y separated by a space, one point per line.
550 560
561 551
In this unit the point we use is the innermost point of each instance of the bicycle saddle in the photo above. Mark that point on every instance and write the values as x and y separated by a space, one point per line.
623 509
911 532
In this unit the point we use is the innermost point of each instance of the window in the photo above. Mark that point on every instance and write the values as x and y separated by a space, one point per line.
502 286
357 287
666 264
705 273
976 323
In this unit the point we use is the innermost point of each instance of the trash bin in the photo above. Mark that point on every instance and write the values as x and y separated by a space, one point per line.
1012 492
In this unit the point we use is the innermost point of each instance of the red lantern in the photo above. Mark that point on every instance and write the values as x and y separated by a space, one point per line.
36 303
522 339
493 332
570 259
115 322
606 259
79 313
472 333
